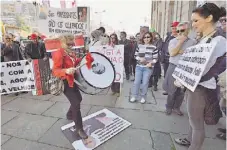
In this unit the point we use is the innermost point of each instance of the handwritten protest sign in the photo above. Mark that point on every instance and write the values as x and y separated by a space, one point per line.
16 76
54 21
191 65
116 56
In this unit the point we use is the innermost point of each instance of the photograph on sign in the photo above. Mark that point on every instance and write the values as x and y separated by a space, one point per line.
56 21
99 126
115 55
192 64
16 76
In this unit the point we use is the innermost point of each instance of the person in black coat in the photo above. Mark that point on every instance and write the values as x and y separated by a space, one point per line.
35 49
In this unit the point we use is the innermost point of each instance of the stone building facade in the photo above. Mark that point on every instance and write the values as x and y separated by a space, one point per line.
163 13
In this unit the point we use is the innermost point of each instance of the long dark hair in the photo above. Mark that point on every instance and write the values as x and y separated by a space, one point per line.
150 36
210 9
116 38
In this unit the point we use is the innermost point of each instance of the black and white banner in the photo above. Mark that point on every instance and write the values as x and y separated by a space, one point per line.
55 21
17 76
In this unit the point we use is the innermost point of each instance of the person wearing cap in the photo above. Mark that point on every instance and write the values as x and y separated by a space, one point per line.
35 49
164 55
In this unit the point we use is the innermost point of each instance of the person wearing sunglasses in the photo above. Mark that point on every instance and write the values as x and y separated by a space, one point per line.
146 58
10 50
222 20
65 61
176 48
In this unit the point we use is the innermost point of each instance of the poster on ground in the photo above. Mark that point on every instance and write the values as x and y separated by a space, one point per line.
191 65
16 76
55 21
116 56
100 127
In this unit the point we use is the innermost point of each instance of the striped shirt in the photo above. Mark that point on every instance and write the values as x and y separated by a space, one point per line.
149 52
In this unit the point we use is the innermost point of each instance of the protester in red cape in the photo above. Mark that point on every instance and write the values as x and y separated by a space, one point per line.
206 94
127 53
157 67
164 52
65 61
115 87
35 49
177 46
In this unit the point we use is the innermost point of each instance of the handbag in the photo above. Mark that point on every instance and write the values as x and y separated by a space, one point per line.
212 111
56 85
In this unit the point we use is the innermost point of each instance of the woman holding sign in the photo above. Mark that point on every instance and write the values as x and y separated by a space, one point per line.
206 93
176 47
146 58
65 62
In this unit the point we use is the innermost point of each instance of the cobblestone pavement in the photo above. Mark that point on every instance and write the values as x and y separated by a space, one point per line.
33 122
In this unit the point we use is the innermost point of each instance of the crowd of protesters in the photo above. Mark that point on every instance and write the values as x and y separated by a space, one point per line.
145 56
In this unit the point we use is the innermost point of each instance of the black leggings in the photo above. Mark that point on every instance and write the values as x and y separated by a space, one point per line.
75 98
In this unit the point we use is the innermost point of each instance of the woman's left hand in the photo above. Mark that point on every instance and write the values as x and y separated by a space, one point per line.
149 65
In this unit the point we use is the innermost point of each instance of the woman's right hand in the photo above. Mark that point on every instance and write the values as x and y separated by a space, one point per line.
142 60
70 71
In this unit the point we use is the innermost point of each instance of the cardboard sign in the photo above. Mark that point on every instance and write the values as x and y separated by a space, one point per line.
116 56
16 76
192 64
100 127
55 21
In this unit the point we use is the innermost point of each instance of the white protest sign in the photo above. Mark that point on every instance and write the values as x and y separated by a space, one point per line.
16 76
55 21
116 56
191 65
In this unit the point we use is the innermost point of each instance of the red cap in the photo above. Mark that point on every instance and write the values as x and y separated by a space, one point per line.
33 36
175 24
43 37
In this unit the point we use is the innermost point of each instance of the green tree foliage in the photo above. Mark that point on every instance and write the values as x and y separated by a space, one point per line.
21 23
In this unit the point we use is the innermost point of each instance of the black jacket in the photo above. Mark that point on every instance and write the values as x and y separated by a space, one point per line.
35 51
164 54
127 49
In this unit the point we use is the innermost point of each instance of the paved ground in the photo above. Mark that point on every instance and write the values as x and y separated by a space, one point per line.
33 123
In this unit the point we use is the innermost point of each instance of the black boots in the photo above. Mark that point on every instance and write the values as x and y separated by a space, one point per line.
82 133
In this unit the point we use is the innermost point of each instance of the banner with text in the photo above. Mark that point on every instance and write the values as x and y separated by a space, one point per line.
191 65
116 56
17 76
54 21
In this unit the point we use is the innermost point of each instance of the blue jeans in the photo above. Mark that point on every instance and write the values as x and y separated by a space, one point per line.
142 74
